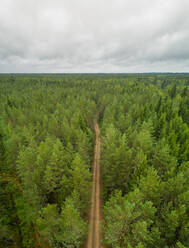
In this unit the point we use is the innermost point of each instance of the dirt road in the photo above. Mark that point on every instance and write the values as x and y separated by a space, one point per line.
94 237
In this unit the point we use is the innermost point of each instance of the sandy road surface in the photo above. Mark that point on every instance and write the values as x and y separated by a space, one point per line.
94 237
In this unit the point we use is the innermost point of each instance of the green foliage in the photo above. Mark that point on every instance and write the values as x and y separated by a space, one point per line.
46 152
47 140
128 221
72 227
151 162
47 224
66 229
81 182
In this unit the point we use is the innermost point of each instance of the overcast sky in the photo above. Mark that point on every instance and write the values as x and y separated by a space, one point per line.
94 35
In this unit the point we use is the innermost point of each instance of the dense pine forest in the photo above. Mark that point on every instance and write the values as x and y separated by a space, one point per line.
46 152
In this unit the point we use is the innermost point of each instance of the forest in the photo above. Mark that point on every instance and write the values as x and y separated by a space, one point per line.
47 139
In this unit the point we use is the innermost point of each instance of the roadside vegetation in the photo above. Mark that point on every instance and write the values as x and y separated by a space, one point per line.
46 153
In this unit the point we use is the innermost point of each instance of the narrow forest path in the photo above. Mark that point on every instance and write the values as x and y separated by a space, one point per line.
94 236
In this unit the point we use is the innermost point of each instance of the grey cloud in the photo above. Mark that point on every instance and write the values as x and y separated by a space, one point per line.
94 36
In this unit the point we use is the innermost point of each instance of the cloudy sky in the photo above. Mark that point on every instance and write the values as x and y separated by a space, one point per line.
94 35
